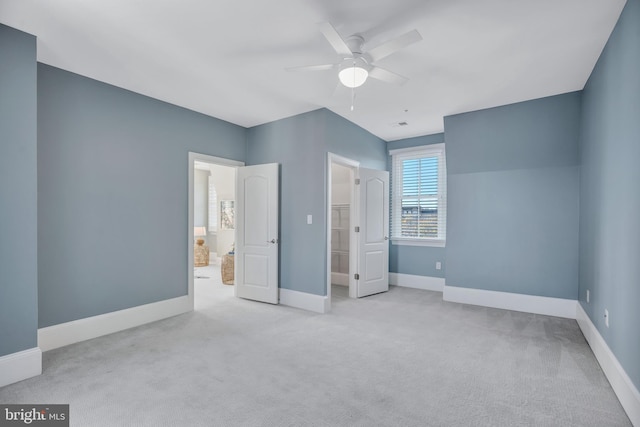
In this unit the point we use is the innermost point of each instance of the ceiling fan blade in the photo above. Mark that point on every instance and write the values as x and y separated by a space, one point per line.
393 45
387 76
334 39
322 67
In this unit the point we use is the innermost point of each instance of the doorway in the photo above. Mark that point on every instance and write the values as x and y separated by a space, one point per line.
357 230
252 216
211 229
341 236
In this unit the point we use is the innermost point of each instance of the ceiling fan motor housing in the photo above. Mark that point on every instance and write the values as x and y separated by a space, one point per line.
355 43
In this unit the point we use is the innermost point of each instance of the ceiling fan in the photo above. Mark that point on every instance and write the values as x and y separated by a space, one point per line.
357 65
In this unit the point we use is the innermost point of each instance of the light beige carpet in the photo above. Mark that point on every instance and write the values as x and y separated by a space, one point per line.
403 358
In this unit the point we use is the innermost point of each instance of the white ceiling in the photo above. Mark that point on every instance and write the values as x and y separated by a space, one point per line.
227 58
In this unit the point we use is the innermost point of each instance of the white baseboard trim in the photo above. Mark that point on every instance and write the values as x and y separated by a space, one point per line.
557 307
96 326
427 283
341 279
626 391
304 301
19 366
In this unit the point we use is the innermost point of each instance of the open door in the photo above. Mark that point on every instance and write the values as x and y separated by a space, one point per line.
256 253
373 242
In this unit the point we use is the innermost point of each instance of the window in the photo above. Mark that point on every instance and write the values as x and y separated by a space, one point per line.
419 198
213 207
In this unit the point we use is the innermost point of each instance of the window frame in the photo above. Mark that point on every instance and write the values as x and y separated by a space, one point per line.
419 152
213 216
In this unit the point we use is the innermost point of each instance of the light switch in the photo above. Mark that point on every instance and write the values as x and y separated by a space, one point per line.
309 219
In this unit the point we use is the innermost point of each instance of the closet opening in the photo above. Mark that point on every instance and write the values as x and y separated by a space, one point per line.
341 235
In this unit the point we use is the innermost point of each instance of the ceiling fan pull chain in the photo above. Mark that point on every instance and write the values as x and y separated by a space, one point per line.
353 97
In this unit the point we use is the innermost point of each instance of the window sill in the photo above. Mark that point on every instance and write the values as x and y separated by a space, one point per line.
419 242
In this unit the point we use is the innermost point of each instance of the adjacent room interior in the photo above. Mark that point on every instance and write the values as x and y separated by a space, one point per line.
214 192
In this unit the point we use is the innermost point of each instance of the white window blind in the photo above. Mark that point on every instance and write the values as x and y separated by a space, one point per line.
419 200
213 207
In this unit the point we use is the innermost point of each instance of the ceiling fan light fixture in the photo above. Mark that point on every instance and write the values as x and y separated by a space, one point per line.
353 76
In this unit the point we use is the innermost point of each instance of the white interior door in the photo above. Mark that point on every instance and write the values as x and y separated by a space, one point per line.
373 245
256 253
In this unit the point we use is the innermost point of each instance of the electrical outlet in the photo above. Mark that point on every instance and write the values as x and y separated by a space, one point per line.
606 317
438 265
588 295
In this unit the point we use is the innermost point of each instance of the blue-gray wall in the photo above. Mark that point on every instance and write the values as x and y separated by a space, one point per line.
416 260
513 198
112 203
296 143
351 141
610 192
18 192
300 145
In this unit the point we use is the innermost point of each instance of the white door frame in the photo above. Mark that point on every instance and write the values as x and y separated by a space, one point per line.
193 157
353 165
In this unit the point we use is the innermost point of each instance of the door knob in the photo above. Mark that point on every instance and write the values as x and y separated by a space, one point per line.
274 241
386 237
